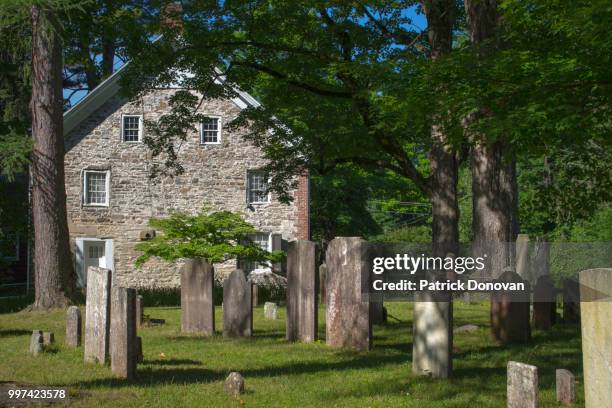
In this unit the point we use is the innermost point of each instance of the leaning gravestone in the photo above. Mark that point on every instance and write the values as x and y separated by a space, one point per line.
237 306
348 315
322 279
566 387
36 342
97 314
197 307
73 326
123 332
522 385
596 324
301 292
571 300
270 310
510 311
544 303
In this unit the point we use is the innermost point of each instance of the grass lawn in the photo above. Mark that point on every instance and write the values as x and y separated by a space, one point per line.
184 371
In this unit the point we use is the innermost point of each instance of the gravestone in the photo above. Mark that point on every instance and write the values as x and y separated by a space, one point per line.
234 384
197 306
510 314
522 256
544 303
348 315
237 306
322 278
596 324
270 311
255 295
73 326
540 260
36 342
301 323
97 315
139 311
123 332
48 338
566 387
571 300
466 328
522 385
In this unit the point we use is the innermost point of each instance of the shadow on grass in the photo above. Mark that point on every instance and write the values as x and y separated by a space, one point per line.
10 333
173 362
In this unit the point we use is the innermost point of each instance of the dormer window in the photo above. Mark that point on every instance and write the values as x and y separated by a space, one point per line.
210 131
131 128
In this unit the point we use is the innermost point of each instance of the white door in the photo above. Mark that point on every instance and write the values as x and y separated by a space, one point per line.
94 254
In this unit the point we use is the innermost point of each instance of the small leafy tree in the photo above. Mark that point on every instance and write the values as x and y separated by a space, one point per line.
216 237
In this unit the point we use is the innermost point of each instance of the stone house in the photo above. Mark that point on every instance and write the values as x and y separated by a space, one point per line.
110 196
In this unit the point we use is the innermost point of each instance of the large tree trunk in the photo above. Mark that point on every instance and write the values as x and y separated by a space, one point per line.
54 272
433 314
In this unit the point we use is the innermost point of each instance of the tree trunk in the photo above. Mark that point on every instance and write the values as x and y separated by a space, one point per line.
54 271
433 313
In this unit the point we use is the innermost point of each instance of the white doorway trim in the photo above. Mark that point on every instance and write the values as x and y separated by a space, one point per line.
80 257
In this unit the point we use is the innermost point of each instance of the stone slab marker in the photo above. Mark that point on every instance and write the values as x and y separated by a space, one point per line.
596 324
73 326
522 385
36 342
522 256
197 306
566 387
348 315
510 322
270 310
123 332
237 306
302 304
571 300
139 311
544 303
97 314
322 279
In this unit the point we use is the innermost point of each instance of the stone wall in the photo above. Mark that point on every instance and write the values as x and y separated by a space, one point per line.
215 177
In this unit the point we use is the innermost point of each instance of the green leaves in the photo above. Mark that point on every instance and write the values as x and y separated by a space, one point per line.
216 237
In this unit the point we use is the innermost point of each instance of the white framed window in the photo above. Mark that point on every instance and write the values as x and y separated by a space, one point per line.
9 246
264 240
257 187
96 187
210 130
131 128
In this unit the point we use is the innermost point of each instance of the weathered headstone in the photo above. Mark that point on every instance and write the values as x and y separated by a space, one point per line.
596 324
544 303
36 342
97 314
302 306
48 338
510 311
234 384
237 306
540 260
522 385
73 326
522 256
322 279
571 300
139 311
139 355
270 311
348 315
566 387
197 306
255 295
123 332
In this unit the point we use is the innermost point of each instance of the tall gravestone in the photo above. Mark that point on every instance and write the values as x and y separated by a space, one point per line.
123 332
596 324
522 385
139 310
522 256
237 306
197 306
571 300
301 292
348 314
322 279
544 303
510 312
73 326
97 315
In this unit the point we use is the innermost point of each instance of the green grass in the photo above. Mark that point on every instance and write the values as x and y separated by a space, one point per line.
192 369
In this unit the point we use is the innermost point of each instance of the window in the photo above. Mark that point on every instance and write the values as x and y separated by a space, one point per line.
131 128
211 131
257 187
96 187
263 239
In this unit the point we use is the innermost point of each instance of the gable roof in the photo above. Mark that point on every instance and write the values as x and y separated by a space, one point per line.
110 87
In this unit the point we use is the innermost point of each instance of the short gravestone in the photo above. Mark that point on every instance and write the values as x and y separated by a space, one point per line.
571 301
197 307
48 338
566 387
595 322
139 355
123 332
36 342
234 384
322 278
301 323
237 306
348 314
270 311
510 311
139 311
466 328
544 304
522 385
97 315
73 326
